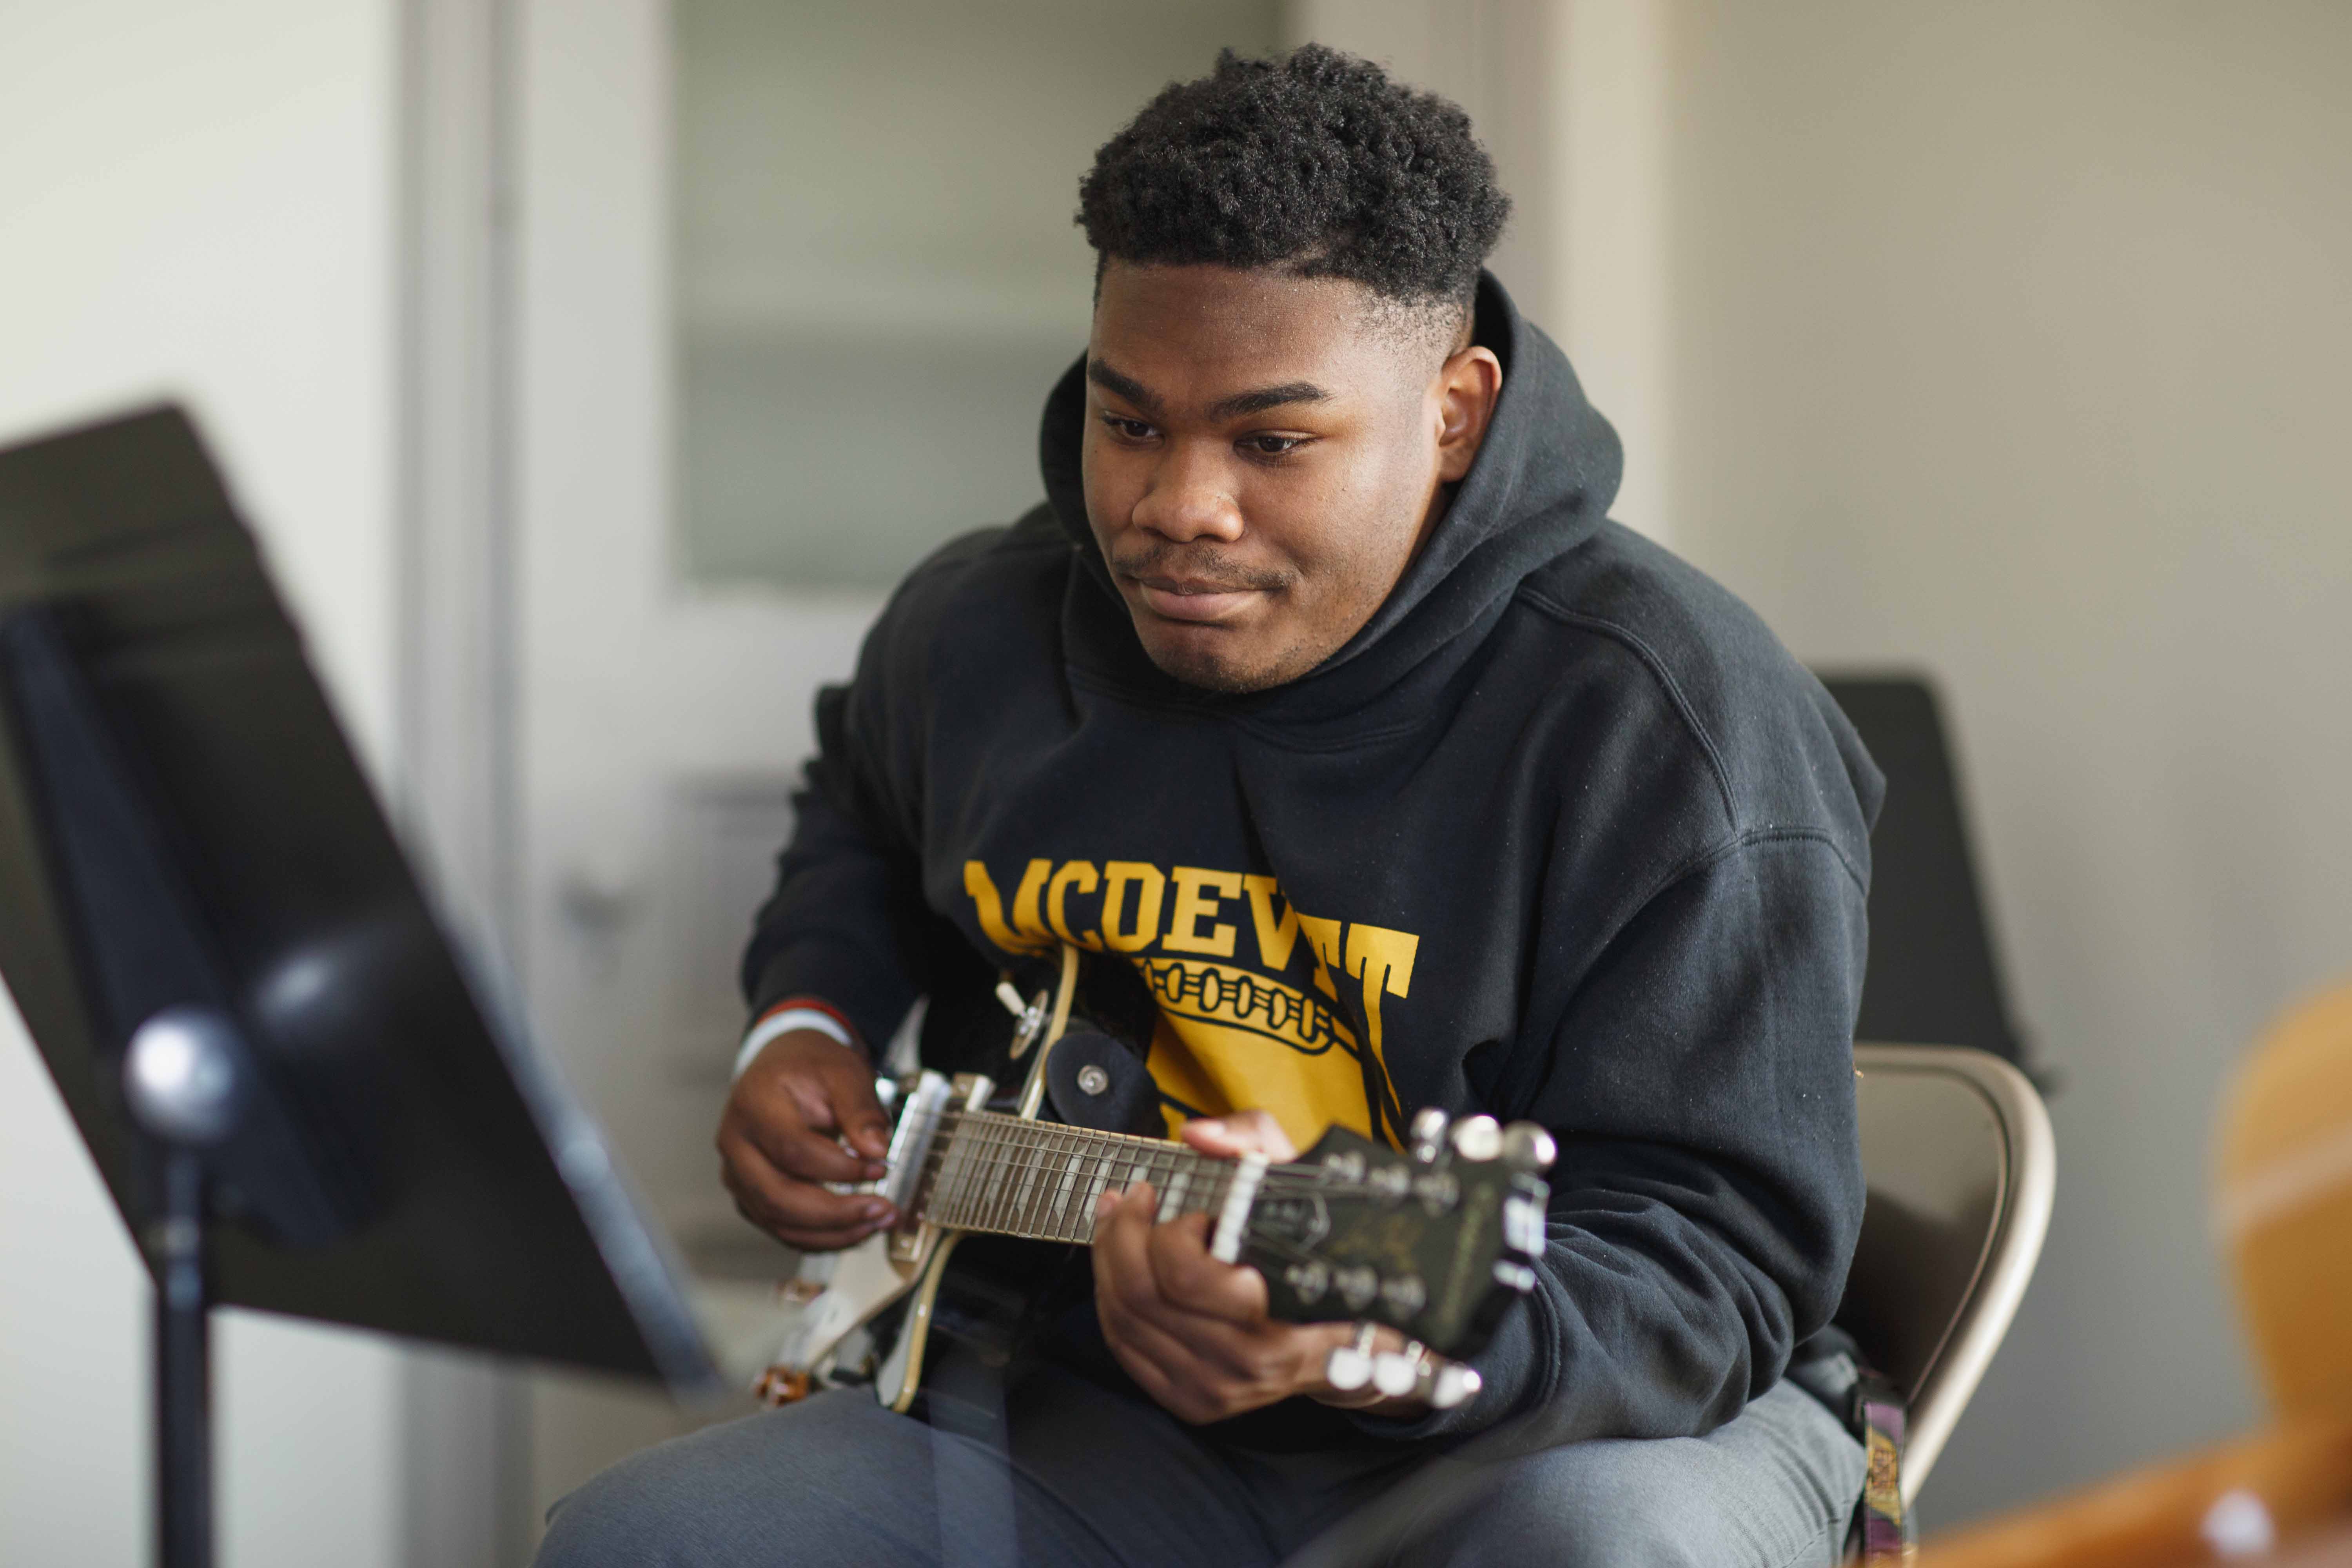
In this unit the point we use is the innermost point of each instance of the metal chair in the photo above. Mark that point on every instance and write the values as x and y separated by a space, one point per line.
1957 1155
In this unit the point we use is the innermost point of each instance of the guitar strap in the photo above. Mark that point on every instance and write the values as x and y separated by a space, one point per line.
1888 1533
1100 1083
1830 1366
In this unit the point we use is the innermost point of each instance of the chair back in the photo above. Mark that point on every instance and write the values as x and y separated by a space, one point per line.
1958 1158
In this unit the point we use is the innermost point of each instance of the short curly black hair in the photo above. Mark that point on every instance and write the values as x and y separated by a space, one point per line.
1313 162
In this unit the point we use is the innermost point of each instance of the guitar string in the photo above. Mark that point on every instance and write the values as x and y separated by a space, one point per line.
1053 1210
1278 1247
1003 1145
1038 1221
1306 1181
951 1209
1038 1132
962 1192
973 1164
993 1144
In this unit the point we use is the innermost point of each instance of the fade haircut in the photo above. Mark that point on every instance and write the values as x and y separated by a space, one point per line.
1313 163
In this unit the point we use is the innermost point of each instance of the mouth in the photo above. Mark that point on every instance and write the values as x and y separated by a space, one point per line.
1195 600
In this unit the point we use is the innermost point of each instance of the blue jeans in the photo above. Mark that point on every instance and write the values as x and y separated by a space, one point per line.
1091 1476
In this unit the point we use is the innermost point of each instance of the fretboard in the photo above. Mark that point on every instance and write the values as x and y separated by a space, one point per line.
994 1173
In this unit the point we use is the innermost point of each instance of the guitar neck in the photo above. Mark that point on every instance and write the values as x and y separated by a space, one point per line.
1040 1180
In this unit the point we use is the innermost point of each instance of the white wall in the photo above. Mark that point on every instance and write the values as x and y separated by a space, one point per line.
197 200
2011 343
1570 97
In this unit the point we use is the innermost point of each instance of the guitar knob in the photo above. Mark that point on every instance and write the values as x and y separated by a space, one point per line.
1527 1147
1396 1374
1404 1294
1479 1137
1454 1384
1428 1139
1349 1367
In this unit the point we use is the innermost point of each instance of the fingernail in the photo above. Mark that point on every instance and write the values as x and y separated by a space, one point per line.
1105 1204
876 1209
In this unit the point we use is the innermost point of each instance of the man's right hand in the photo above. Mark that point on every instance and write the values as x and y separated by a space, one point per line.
782 1136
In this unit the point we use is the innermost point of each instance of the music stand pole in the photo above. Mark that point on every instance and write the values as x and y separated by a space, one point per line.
180 1077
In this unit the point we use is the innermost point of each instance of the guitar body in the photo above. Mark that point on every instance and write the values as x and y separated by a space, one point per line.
901 1374
1436 1242
866 1282
886 1298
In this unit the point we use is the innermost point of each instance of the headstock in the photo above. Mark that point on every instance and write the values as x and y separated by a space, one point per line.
1436 1242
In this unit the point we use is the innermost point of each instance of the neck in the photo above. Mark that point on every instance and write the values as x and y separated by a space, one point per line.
988 1172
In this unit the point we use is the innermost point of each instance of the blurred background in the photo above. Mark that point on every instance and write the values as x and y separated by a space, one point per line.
591 368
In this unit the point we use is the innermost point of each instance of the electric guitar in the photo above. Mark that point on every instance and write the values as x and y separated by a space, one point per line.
1435 1242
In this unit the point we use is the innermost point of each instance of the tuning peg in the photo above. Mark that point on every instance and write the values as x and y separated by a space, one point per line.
1527 1147
1397 1373
1428 1125
1349 1367
1454 1384
1479 1137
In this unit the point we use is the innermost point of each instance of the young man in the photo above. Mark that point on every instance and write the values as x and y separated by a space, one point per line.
1321 697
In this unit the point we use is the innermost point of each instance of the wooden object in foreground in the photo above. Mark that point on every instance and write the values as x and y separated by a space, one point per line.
2282 1203
2301 1474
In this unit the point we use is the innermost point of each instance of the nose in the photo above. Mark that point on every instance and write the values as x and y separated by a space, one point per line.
1190 496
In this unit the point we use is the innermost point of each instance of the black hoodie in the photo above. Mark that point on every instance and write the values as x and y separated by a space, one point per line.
1562 833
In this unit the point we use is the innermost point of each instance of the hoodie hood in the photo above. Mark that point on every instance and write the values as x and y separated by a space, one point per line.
1540 486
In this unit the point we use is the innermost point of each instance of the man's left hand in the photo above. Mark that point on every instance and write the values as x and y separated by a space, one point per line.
1194 1332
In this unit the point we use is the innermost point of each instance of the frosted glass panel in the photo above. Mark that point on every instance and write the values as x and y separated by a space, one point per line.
878 276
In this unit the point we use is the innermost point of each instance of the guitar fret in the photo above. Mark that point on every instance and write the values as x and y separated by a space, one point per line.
1081 1205
999 1194
1100 1182
1023 1206
1052 1213
1036 1182
963 1158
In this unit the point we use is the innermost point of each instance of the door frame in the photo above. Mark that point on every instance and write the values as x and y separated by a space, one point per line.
465 1450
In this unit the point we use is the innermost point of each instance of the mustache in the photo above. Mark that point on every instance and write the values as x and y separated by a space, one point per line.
1198 567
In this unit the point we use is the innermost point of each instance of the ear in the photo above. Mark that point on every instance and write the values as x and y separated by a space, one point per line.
1467 384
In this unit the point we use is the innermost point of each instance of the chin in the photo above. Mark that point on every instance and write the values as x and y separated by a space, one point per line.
1197 661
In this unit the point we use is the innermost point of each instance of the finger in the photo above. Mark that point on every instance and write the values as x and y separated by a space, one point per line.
777 1125
1243 1133
805 1241
1196 1386
810 1240
1187 1277
1128 1294
760 1207
785 1202
1175 1393
852 1109
1122 1228
1185 1381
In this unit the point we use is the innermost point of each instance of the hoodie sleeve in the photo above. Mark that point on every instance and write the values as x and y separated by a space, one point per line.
1708 1189
844 923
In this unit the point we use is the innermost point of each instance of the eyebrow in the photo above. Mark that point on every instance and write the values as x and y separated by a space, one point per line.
1234 407
1126 386
1266 397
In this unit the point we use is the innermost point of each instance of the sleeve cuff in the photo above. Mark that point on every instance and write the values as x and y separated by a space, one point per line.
792 1013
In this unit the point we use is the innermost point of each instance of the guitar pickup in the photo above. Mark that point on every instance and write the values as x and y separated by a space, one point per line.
910 1144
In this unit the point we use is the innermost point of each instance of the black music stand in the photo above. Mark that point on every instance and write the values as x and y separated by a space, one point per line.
299 1096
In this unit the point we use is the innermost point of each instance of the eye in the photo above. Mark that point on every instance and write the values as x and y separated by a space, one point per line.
1270 446
1126 429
